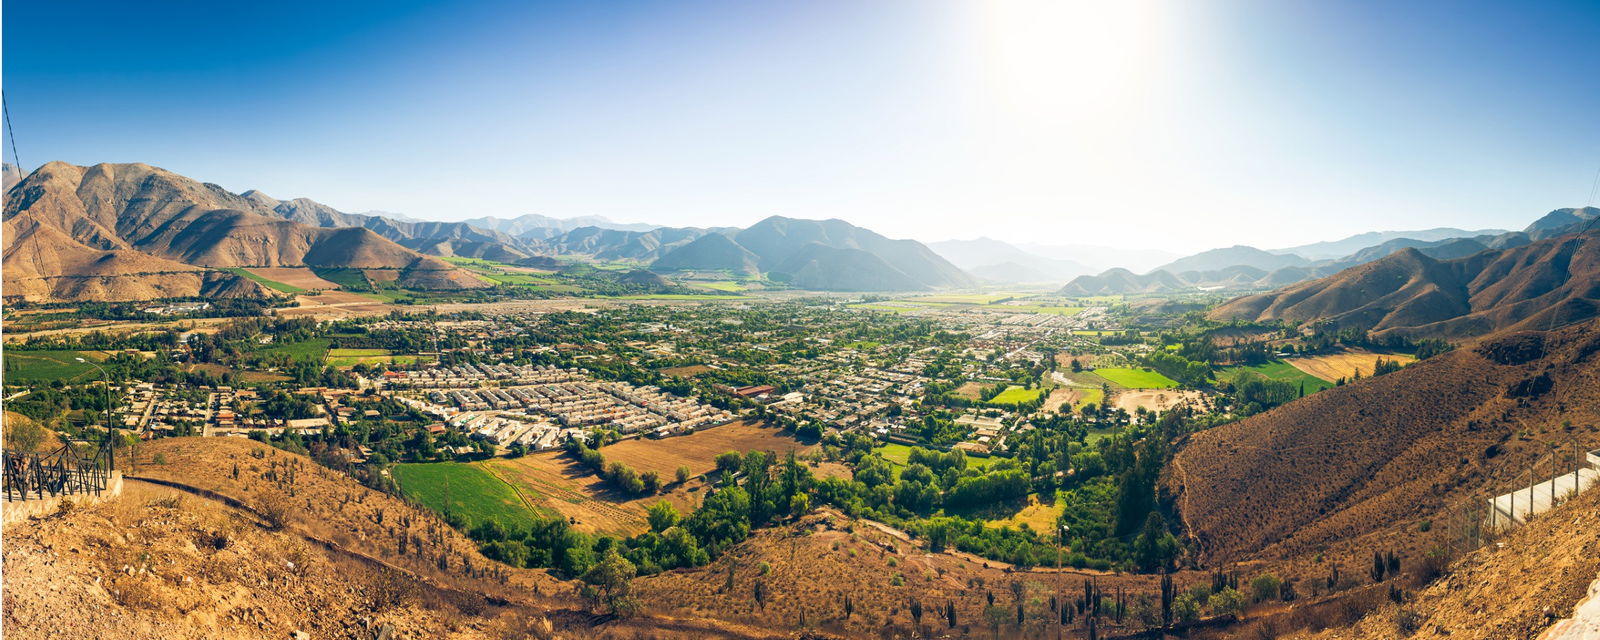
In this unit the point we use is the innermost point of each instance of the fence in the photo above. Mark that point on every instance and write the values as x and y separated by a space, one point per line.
1515 508
69 470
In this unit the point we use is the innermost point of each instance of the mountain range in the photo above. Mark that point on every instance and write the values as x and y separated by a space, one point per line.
997 261
823 255
1548 283
136 232
1246 268
1337 248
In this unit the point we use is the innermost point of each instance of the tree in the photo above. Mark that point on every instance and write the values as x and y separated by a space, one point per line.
683 475
1228 601
662 516
799 504
609 583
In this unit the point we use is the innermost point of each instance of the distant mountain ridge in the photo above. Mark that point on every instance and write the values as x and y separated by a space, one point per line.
137 232
1241 267
1550 282
1338 248
538 226
824 255
998 261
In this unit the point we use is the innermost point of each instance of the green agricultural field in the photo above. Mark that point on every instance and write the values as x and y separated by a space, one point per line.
1279 370
1039 308
347 279
270 284
899 454
475 262
724 285
43 366
1136 378
315 349
1016 395
678 296
969 298
1089 396
466 489
518 278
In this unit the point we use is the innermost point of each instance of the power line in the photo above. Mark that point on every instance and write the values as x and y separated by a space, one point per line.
1594 189
7 108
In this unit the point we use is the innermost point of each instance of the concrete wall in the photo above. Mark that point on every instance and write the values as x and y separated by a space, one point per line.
14 511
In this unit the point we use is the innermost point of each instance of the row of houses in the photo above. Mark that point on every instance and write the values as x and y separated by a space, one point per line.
466 376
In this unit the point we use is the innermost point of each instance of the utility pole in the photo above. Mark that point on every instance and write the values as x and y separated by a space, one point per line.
105 379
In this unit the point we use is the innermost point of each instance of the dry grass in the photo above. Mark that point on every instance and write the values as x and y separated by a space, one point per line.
1346 471
1333 366
554 483
699 450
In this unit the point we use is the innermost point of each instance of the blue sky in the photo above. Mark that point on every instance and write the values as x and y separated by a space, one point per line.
1168 124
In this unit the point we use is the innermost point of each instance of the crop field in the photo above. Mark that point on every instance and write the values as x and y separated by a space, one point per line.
353 357
968 298
724 285
1016 395
263 280
679 296
466 489
44 366
968 390
1280 370
689 371
699 450
553 483
1345 365
1136 378
898 455
1039 513
347 279
1042 308
1088 397
315 349
295 277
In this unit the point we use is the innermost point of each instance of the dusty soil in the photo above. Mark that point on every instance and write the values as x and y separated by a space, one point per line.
1157 400
685 372
336 304
1061 396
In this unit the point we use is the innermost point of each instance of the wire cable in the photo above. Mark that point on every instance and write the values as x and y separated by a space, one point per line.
7 108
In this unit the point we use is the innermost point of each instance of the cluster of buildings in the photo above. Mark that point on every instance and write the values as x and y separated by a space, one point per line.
508 429
581 402
466 376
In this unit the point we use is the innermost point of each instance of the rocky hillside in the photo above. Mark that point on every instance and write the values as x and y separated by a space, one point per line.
283 547
1551 282
1515 589
70 228
1358 467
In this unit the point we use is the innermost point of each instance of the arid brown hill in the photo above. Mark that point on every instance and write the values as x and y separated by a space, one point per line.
1362 466
1551 282
1506 591
70 228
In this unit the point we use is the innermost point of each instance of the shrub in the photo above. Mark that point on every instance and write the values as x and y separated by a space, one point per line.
1265 587
1407 621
